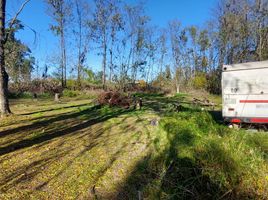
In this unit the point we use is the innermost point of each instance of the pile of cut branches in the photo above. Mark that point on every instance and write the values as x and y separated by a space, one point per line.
114 99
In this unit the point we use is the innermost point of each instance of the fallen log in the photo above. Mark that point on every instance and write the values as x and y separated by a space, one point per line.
205 102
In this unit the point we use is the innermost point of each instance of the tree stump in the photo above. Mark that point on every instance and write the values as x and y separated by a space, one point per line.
34 96
139 104
57 97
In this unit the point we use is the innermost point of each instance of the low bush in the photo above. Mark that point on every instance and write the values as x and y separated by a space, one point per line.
23 95
70 93
199 81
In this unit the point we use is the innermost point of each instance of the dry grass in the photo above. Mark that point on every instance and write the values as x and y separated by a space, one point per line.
75 150
62 151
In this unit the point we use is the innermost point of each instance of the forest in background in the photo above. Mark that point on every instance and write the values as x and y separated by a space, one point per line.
136 54
132 49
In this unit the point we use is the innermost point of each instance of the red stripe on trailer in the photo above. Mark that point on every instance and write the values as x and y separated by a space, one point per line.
253 101
236 121
259 120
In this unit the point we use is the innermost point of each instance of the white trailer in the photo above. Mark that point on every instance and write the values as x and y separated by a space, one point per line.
245 92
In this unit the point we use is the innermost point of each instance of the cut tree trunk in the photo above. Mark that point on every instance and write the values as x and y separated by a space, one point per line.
57 97
177 88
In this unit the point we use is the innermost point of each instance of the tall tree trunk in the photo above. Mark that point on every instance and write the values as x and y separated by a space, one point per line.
104 63
63 55
161 69
62 61
79 48
260 27
177 86
111 64
177 81
4 104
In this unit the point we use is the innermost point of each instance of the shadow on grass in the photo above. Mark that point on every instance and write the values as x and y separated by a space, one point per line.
92 143
59 108
46 122
183 179
179 103
91 112
161 104
28 172
170 176
42 116
179 171
217 116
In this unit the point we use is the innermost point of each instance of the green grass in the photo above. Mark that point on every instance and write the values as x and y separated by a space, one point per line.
194 157
63 150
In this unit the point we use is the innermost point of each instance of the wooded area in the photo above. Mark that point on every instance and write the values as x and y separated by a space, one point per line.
133 50
144 123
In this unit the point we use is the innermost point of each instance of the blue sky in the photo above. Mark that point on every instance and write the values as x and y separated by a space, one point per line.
189 12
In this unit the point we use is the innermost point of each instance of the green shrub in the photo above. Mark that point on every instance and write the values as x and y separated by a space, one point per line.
29 95
23 95
70 93
71 84
180 95
200 81
45 95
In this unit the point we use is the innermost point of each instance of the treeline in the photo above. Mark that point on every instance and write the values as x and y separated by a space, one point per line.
133 49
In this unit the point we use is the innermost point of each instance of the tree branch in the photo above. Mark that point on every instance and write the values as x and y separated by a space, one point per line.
15 17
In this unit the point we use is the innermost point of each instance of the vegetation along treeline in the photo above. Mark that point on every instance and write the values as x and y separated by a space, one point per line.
132 49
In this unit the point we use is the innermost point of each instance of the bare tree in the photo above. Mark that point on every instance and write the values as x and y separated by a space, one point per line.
60 11
151 47
175 31
260 11
136 30
163 53
116 26
82 34
101 26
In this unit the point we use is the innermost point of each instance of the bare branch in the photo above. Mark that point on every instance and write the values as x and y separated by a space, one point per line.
16 16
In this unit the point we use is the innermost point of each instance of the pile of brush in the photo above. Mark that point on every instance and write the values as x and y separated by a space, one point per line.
114 99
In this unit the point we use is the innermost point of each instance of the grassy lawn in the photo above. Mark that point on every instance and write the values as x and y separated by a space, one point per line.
75 150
